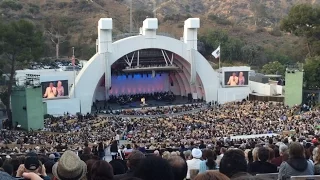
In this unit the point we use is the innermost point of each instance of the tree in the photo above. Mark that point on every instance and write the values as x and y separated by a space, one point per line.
250 53
311 72
230 47
259 10
56 31
274 67
20 42
304 20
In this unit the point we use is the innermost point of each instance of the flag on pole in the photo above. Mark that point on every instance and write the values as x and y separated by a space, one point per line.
216 53
73 60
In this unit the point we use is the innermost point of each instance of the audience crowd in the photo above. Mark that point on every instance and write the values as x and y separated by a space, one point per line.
239 140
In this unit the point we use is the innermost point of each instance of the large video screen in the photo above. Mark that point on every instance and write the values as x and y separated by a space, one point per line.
236 78
55 89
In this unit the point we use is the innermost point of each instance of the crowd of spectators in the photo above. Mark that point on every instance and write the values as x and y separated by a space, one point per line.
283 159
174 146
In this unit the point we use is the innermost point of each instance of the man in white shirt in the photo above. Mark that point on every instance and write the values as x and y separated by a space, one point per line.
194 163
222 151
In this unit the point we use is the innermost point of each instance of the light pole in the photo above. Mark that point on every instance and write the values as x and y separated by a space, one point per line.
131 16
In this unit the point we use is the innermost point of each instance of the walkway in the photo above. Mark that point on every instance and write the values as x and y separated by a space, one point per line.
160 115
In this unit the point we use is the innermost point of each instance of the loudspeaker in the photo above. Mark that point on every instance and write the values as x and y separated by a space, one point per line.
189 96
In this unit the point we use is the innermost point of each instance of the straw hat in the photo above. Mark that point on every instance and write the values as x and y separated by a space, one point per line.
70 166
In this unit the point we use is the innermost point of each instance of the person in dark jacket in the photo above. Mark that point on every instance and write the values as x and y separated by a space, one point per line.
282 151
262 166
133 162
297 164
114 149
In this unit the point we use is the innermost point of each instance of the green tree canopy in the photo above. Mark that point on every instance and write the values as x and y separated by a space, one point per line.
20 42
304 20
312 71
274 67
231 48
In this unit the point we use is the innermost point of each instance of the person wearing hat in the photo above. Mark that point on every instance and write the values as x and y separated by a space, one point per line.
194 163
32 164
69 166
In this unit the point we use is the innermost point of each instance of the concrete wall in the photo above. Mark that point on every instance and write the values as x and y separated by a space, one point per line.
232 94
293 88
265 89
35 108
18 101
57 107
27 108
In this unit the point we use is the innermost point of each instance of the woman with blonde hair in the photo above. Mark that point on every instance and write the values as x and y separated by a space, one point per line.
211 175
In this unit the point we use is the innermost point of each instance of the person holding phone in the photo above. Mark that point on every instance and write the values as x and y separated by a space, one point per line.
32 165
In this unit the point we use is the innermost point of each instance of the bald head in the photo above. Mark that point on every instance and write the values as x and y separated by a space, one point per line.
179 167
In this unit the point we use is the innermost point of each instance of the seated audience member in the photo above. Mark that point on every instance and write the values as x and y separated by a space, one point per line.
316 159
278 160
69 166
234 164
134 159
187 155
179 167
154 168
209 162
118 167
222 151
156 153
194 163
6 176
262 165
32 164
101 170
211 175
89 164
8 168
296 165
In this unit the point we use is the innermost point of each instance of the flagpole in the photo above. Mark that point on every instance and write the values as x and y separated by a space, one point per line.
74 71
219 56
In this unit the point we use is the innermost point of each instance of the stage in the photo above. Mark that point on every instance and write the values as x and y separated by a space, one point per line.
179 100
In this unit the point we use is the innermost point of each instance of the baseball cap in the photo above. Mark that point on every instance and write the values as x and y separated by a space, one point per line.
31 163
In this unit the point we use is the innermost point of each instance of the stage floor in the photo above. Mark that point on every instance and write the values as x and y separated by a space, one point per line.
150 103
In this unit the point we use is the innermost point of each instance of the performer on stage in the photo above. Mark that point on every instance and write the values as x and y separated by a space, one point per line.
60 89
241 79
51 91
233 80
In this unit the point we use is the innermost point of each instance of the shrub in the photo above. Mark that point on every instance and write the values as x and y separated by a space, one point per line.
275 32
10 4
34 9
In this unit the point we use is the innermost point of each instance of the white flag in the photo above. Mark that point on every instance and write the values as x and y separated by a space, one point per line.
216 53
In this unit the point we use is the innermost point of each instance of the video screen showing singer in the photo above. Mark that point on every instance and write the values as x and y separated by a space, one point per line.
51 91
233 80
60 89
241 79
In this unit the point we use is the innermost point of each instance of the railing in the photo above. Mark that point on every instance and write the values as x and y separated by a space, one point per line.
125 35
